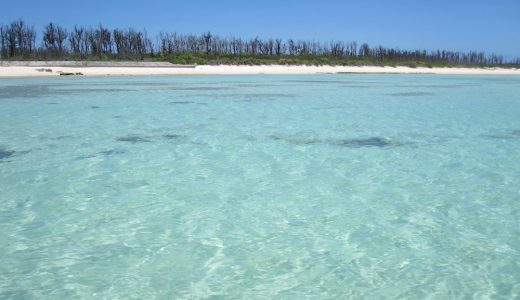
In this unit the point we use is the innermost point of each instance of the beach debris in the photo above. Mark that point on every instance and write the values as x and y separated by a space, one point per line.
44 70
69 73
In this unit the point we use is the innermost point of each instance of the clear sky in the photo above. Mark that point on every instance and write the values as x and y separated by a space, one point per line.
487 25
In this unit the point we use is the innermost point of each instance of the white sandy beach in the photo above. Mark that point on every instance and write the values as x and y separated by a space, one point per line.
30 69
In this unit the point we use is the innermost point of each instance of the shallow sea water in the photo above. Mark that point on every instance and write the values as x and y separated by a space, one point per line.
260 187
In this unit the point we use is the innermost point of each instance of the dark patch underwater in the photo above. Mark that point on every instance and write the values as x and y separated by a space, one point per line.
172 136
365 142
111 152
182 102
504 135
134 139
411 94
377 142
4 153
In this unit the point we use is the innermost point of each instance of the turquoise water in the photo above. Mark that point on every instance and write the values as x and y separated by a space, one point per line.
260 187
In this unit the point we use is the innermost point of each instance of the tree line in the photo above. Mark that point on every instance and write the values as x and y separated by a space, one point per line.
18 40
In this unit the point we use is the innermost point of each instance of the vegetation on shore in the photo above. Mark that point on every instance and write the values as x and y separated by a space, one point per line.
19 41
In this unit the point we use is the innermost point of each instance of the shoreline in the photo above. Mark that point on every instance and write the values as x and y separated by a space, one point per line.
54 68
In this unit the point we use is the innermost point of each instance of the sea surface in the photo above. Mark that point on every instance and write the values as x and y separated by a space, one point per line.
347 186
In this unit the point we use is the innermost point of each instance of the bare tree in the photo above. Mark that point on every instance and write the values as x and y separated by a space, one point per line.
54 37
206 38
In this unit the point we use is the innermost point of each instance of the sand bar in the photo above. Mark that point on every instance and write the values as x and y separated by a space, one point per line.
54 68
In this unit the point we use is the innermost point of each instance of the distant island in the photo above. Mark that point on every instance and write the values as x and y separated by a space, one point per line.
20 41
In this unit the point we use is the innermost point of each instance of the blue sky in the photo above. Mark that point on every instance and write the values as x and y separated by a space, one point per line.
491 26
